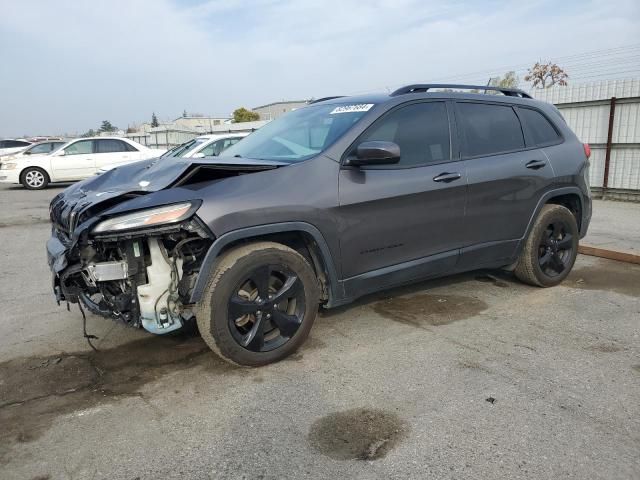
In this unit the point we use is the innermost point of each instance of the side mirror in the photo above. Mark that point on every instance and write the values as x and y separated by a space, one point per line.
198 155
61 153
375 153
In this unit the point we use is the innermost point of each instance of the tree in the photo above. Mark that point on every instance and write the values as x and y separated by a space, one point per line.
132 129
89 133
107 127
244 115
184 113
510 80
545 75
154 120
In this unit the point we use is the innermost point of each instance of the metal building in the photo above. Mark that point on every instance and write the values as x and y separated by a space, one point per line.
606 115
274 110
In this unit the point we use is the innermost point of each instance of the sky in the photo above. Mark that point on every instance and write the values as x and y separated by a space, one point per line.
67 65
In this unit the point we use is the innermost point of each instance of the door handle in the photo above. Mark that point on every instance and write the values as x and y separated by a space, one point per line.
535 164
447 177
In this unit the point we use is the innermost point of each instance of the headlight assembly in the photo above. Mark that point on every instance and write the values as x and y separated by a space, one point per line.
8 166
165 215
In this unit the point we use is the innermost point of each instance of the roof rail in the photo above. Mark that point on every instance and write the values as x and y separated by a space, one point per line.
424 87
325 98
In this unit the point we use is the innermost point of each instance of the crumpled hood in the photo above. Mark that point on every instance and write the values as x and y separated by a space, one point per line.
70 208
158 173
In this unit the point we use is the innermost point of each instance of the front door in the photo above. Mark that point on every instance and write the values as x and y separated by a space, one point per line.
404 220
75 162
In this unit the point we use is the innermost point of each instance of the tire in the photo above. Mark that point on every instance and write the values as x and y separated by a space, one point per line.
33 178
236 286
551 248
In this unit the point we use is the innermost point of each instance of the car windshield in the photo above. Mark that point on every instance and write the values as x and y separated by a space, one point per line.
300 134
182 150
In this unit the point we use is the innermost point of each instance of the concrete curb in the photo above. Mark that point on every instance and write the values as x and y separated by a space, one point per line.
610 254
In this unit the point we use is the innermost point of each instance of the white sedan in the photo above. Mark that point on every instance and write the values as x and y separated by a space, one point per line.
76 160
10 146
40 148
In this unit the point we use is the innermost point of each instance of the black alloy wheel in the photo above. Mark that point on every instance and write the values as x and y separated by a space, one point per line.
550 249
259 304
555 252
267 308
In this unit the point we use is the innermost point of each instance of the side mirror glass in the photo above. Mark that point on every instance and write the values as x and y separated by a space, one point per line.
375 153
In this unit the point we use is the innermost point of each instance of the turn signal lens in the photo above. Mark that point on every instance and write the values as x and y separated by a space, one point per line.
587 150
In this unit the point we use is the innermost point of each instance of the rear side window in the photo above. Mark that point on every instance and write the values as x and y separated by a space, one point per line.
538 127
490 129
421 130
13 144
111 145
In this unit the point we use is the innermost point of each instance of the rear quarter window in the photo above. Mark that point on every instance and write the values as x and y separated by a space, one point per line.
538 127
489 129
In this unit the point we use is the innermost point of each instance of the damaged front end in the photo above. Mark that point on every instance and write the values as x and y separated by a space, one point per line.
122 256
141 275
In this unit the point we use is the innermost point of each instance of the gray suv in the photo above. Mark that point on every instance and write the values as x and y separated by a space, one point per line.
341 198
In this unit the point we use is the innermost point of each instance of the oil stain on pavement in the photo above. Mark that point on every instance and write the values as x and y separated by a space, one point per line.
429 309
34 391
357 434
607 275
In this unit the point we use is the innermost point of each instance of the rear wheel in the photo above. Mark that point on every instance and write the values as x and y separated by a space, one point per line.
551 248
259 305
33 178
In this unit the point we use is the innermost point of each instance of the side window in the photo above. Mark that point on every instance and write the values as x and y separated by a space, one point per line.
129 147
42 148
538 127
421 130
81 147
110 145
14 144
213 149
490 129
231 141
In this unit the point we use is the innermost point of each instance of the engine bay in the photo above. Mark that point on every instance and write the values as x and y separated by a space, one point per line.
143 281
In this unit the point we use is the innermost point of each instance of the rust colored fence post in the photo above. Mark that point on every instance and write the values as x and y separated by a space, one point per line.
607 156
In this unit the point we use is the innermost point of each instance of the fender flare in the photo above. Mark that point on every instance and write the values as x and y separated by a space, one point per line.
213 253
545 198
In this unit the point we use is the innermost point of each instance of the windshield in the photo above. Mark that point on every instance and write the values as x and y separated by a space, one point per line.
300 134
182 150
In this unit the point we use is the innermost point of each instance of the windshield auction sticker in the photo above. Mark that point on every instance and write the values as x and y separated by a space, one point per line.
361 107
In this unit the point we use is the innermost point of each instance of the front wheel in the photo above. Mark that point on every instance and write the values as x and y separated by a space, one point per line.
259 304
551 248
34 178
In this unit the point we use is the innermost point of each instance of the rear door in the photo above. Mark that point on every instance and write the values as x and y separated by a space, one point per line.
506 175
412 211
74 162
111 151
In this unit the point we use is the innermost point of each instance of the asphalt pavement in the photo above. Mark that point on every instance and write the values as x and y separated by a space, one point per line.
473 376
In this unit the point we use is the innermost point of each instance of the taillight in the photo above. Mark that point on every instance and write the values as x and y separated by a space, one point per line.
587 149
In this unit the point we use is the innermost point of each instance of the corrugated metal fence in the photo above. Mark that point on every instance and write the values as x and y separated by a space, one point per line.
606 115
